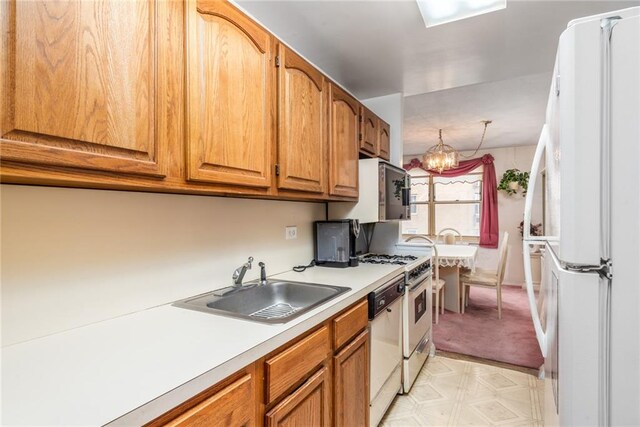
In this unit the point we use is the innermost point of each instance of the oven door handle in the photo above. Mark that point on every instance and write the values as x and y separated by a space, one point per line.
413 288
423 344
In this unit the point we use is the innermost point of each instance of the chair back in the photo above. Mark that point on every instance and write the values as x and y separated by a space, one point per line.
435 259
502 260
448 236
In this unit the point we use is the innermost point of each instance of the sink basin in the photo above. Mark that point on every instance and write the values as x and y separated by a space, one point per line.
273 302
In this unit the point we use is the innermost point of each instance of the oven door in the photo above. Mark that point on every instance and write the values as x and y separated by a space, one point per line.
417 314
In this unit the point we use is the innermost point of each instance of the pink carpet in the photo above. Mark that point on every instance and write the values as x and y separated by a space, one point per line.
479 333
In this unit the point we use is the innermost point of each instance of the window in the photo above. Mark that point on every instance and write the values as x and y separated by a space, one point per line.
439 202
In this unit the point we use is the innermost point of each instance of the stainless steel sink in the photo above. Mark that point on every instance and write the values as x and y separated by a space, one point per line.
273 302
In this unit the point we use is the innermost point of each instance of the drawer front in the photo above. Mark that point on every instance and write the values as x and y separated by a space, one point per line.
232 405
292 364
349 324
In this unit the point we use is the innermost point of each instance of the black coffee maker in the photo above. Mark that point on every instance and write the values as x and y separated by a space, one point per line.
336 243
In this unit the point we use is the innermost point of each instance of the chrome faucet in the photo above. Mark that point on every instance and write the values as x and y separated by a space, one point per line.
239 273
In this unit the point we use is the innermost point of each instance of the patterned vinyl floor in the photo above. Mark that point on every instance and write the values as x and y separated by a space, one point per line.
451 392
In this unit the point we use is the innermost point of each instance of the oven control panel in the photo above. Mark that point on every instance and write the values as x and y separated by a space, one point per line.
419 271
385 295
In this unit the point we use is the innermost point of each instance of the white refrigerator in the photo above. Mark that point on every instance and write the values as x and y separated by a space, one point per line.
590 152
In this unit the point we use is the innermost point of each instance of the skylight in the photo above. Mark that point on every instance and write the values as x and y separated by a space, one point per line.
437 12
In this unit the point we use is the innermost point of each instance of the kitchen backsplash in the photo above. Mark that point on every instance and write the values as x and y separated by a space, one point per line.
71 257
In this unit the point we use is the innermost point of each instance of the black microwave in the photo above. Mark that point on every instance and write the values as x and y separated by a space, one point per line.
394 193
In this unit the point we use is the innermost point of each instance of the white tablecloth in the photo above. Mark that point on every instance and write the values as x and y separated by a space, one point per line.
457 256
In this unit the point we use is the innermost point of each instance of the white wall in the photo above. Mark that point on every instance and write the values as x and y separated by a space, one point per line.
71 257
510 210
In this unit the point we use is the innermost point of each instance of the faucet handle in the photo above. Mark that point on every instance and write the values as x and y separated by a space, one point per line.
249 261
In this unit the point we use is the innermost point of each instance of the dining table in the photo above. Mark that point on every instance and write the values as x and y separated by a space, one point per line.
451 259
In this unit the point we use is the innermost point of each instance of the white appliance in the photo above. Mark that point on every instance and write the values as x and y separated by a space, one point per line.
416 306
416 323
590 144
385 194
385 323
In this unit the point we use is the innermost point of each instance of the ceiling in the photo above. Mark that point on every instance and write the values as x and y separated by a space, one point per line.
516 107
495 66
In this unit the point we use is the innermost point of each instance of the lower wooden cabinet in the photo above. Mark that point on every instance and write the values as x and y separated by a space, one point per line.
309 405
351 383
291 365
348 324
227 407
320 378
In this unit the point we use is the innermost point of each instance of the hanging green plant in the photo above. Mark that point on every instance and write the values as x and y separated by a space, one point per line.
513 180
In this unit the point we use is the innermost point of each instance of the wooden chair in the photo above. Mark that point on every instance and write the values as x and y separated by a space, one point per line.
487 278
449 236
437 288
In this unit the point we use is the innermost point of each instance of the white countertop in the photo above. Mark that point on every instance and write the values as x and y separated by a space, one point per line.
131 369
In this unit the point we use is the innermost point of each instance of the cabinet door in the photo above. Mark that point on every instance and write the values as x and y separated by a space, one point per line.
231 406
302 124
308 406
343 145
351 403
368 132
230 78
78 85
384 140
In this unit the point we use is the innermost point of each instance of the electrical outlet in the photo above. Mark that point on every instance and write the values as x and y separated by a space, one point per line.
291 232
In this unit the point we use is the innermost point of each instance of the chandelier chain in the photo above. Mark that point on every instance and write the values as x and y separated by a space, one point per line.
486 123
443 157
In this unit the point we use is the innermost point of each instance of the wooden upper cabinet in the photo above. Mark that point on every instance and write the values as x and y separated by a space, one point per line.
351 396
78 85
343 144
384 140
302 144
309 405
230 99
368 132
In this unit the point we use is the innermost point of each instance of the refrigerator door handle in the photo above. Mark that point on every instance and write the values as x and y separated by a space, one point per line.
535 316
528 203
527 239
606 25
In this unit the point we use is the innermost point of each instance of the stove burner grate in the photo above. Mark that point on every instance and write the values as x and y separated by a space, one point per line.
388 259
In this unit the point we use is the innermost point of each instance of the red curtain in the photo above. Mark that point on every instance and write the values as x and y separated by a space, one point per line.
489 233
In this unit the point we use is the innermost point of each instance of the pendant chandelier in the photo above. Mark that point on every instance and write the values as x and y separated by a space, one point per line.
442 157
